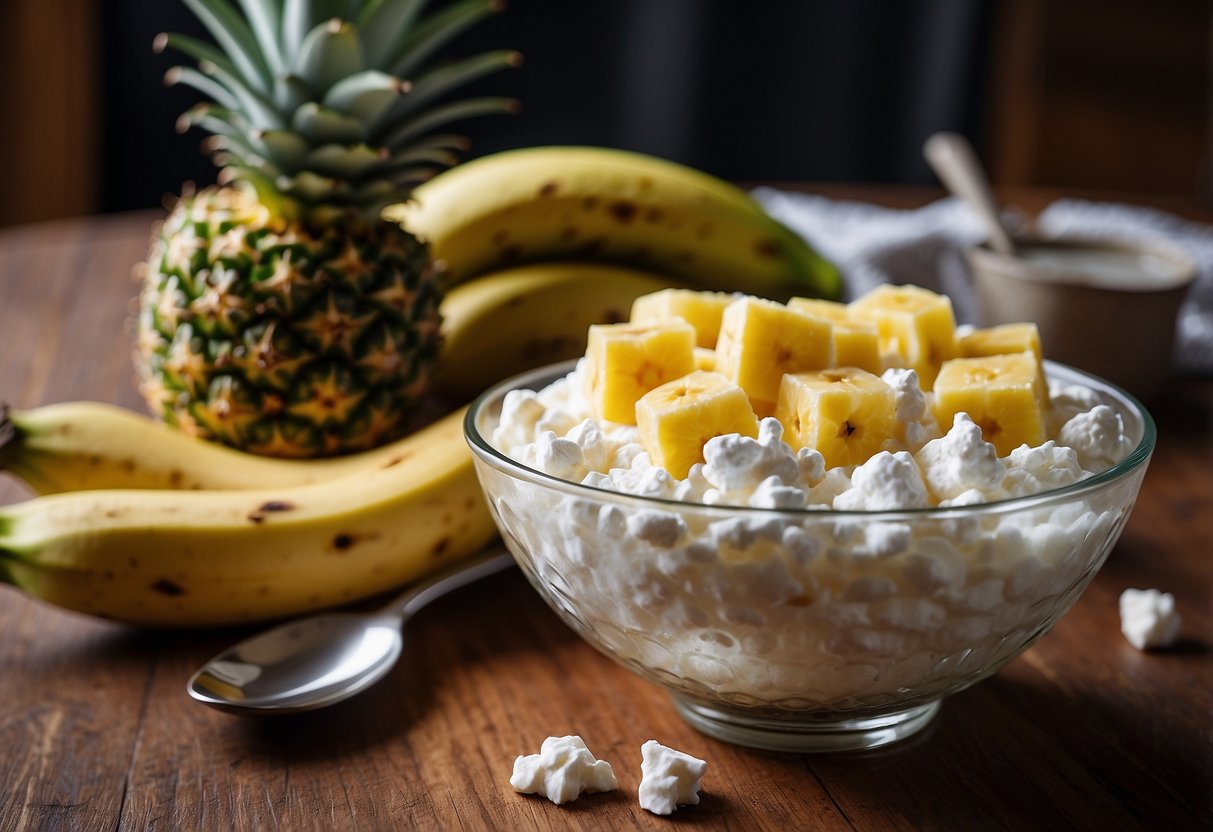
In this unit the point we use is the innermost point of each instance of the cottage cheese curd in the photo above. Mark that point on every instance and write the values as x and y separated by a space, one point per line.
668 778
1148 618
563 770
811 610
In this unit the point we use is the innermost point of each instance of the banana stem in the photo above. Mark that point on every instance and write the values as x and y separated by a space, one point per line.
10 437
11 457
8 431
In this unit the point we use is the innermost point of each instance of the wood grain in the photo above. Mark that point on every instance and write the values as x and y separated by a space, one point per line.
1081 732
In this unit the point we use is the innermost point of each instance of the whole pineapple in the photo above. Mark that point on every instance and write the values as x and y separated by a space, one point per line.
278 312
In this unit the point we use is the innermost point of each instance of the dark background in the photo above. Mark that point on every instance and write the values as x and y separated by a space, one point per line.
1103 94
748 91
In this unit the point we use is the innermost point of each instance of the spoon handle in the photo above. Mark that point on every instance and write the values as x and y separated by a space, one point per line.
491 561
954 162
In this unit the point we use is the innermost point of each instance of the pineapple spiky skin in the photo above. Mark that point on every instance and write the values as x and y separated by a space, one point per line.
845 413
1003 394
625 361
279 314
678 418
280 338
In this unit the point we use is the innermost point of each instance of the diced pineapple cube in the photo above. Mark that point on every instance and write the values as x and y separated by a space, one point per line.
705 359
829 309
625 361
1000 340
1001 393
761 340
856 342
845 413
914 324
678 418
701 310
1003 339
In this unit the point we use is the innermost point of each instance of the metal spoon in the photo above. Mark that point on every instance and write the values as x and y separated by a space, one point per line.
954 162
323 659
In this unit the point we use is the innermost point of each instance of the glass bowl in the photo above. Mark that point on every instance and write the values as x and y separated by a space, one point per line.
810 629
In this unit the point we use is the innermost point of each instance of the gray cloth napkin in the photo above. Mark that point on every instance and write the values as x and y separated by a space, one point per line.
873 245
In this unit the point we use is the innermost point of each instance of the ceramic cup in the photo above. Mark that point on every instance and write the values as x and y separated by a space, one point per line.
1108 307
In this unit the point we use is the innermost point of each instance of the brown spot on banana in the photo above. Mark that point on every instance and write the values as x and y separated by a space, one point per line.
767 248
344 541
554 347
623 211
269 507
168 587
549 188
440 547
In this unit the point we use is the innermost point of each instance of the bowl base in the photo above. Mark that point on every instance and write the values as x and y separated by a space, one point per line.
806 736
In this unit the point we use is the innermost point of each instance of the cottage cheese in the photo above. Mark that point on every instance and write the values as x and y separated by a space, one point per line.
1148 618
563 770
804 609
669 778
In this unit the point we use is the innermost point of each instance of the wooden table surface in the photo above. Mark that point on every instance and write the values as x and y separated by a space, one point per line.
96 732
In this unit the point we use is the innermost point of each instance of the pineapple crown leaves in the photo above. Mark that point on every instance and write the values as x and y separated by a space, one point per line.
328 106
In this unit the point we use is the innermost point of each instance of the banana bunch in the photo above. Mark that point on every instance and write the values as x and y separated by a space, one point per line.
143 524
198 558
593 203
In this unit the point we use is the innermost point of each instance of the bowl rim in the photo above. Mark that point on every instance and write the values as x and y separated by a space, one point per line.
1137 458
1013 265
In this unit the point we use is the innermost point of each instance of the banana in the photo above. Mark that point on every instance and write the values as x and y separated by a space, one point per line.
76 446
207 558
529 316
594 203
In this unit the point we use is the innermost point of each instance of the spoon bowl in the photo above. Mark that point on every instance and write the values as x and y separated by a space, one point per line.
321 660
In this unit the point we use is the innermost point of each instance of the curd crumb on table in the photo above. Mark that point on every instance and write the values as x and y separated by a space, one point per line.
563 770
1148 618
669 778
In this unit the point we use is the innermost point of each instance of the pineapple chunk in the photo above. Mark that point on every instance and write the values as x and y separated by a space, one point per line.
625 361
761 340
701 310
705 359
1003 339
1001 393
856 342
678 418
914 324
1000 340
845 413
